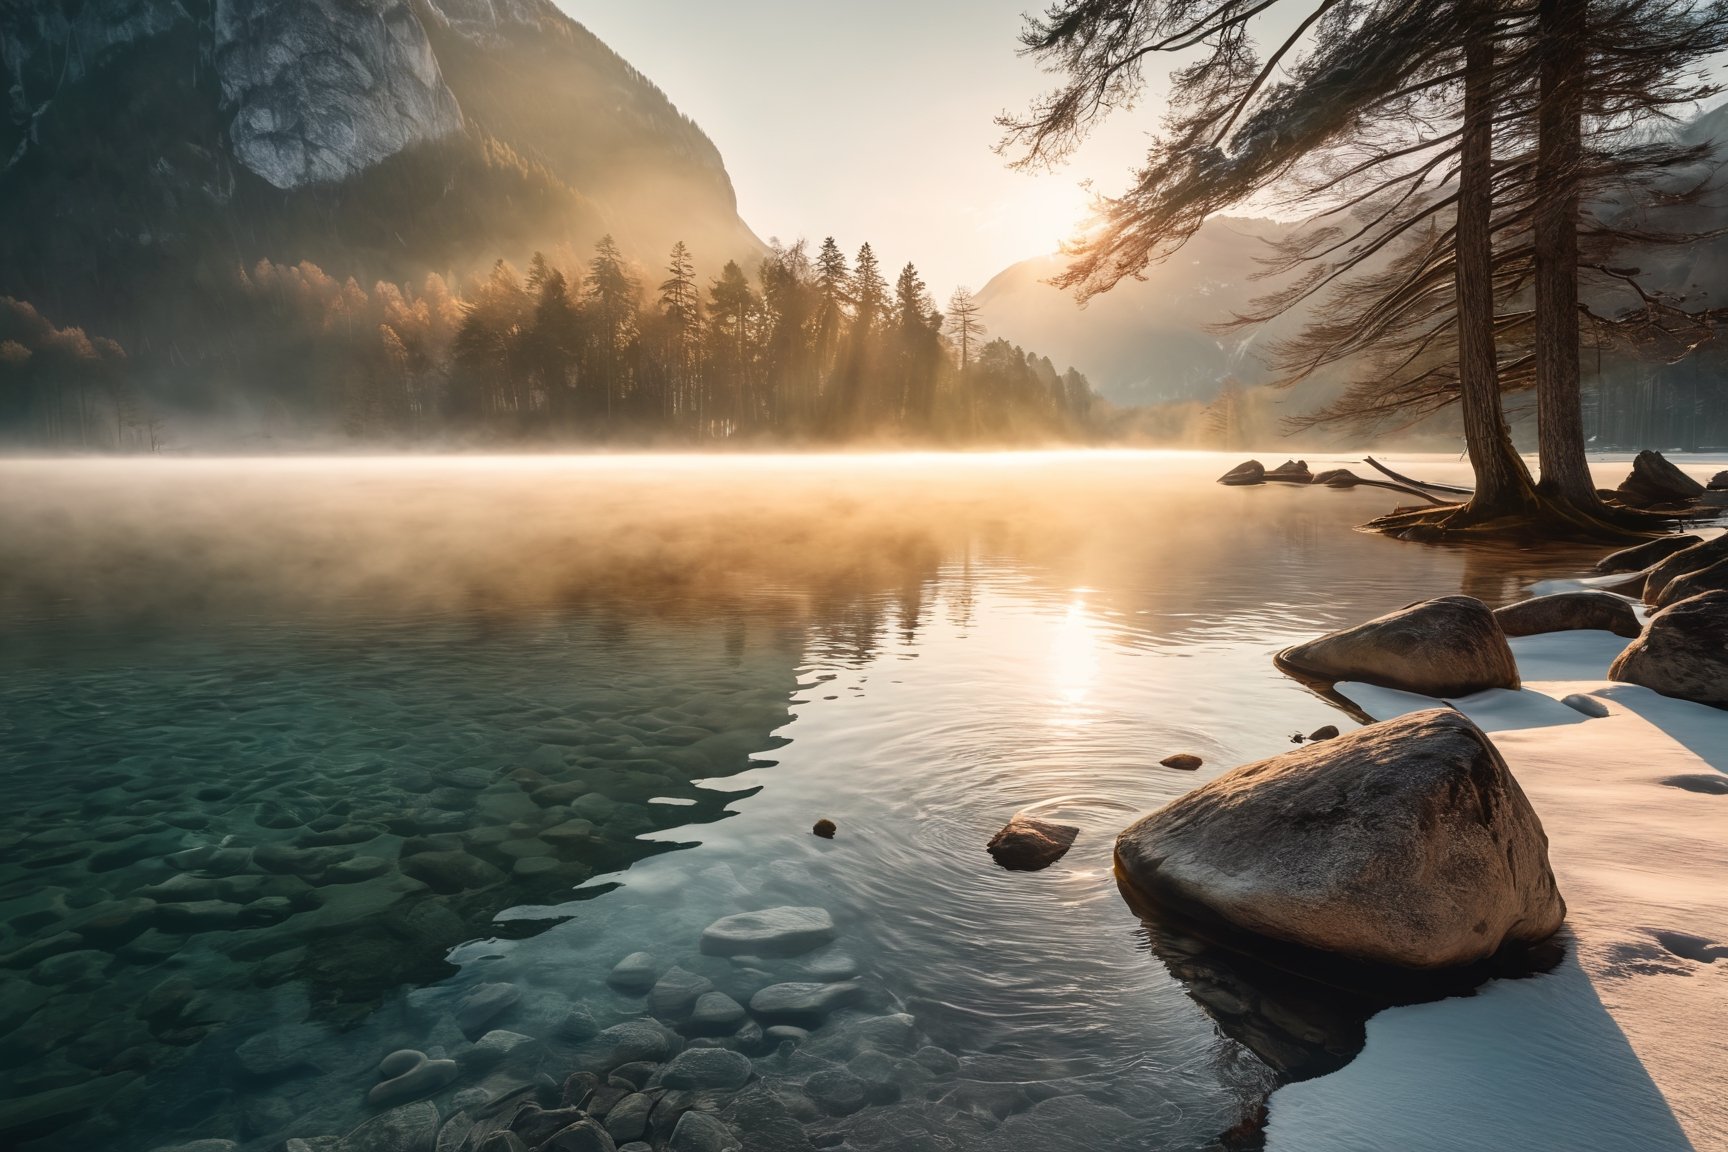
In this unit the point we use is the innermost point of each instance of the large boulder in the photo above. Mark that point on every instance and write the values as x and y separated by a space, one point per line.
1686 560
1247 472
1718 482
1654 481
1641 556
1567 611
1712 578
1683 652
1451 646
1406 843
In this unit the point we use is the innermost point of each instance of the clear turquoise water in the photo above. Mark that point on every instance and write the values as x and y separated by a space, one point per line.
308 750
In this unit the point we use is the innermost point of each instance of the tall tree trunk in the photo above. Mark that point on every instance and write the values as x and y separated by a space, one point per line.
1559 154
1503 484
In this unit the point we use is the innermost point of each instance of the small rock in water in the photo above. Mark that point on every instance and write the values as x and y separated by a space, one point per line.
700 1132
1324 732
626 1043
1291 472
637 972
493 1048
1588 705
482 1005
825 828
1247 472
578 1024
279 1051
409 1075
715 1014
410 1128
632 1076
627 1120
1026 844
805 1005
1182 761
711 1068
674 995
782 931
583 1136
836 1091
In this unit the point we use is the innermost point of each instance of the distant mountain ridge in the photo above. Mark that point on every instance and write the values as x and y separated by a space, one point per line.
1156 340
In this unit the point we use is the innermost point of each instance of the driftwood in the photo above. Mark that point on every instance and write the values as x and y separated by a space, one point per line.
1452 488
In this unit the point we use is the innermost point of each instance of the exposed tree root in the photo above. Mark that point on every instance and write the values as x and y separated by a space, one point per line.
1538 518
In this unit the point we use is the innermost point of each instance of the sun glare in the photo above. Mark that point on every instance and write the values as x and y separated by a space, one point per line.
1074 658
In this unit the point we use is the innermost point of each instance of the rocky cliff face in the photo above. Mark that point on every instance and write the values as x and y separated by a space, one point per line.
321 89
150 144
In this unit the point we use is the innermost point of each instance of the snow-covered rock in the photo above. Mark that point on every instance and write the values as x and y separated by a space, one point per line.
1568 611
1448 646
1405 843
1683 652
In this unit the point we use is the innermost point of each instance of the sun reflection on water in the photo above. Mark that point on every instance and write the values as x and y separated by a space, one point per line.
1074 661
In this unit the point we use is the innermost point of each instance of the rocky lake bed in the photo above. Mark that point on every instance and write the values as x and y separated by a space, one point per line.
325 877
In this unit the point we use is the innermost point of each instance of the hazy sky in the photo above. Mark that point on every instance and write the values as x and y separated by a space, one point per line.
870 121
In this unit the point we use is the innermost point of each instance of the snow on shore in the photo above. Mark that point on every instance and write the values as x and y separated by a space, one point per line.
1624 1047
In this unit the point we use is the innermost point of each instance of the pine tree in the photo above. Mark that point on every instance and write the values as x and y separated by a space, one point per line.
681 306
733 310
610 308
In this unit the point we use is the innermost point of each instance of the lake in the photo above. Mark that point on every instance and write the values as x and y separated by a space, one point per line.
306 761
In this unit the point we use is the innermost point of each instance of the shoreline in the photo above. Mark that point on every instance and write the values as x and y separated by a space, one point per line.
1612 1050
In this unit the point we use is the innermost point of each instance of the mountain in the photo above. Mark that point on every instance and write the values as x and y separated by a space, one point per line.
1150 340
154 145
1155 341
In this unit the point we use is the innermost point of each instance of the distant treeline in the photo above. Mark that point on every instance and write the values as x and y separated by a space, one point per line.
813 347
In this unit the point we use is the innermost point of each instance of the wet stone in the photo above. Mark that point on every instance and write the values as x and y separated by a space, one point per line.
633 1076
495 1047
674 995
895 1033
803 1004
784 931
198 916
355 870
637 972
280 1051
836 1091
409 1128
536 1125
78 970
699 1132
715 1014
706 1068
583 1136
449 872
627 1120
409 1075
483 1004
578 1024
626 1043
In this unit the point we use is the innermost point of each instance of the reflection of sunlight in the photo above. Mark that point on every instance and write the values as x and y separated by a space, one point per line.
1074 655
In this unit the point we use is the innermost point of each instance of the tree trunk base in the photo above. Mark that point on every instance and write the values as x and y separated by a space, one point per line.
1538 518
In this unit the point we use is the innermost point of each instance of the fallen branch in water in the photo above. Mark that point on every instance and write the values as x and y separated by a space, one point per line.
1453 488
